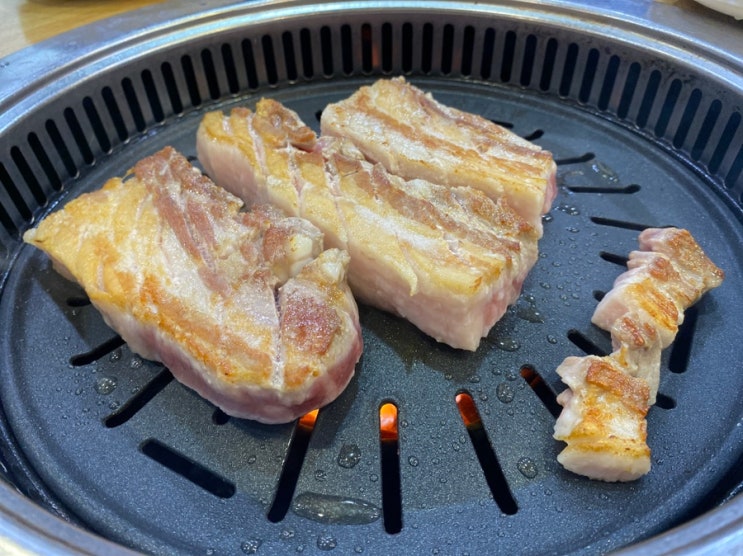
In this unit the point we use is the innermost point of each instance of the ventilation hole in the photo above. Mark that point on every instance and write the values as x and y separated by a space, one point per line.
326 47
10 188
725 139
290 61
620 260
346 49
187 468
651 92
78 301
628 91
550 54
735 170
219 417
607 87
664 402
705 131
598 295
152 97
507 125
367 49
132 406
249 61
114 113
269 59
190 76
95 122
534 135
509 47
527 64
427 48
133 103
31 183
623 224
175 98
541 389
61 146
389 446
589 75
681 347
209 72
626 190
447 49
488 460
407 47
230 69
668 108
46 164
568 70
582 342
387 47
305 42
318 115
97 352
488 51
292 466
687 119
587 157
78 135
468 45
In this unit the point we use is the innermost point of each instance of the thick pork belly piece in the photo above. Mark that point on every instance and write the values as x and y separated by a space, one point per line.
448 259
244 307
603 420
414 136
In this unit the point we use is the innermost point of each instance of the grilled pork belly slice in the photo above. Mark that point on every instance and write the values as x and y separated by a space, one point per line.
448 259
603 420
604 432
412 135
244 307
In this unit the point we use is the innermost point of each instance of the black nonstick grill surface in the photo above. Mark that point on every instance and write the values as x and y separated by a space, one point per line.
110 442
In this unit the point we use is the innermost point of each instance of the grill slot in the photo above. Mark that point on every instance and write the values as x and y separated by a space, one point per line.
641 139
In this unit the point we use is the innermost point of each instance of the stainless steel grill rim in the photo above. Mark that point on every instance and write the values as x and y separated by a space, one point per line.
624 63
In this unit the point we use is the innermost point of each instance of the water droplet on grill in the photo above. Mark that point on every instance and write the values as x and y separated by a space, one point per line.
413 461
104 385
508 344
115 355
320 475
286 534
251 546
349 456
527 467
551 339
136 362
504 392
326 542
330 509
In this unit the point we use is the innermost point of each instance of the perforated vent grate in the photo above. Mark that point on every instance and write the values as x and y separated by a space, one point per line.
429 450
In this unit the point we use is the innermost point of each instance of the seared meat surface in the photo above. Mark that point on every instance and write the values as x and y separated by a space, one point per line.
449 259
604 407
246 308
414 136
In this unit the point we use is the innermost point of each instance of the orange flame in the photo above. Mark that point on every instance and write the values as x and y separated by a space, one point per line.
388 422
468 410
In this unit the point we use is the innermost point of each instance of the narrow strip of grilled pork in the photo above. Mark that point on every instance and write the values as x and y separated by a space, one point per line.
246 308
642 312
448 259
414 136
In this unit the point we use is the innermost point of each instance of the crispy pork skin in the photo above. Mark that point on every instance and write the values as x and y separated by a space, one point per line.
448 259
246 308
603 419
414 136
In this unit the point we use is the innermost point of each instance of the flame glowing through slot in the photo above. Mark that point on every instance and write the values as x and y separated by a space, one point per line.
485 454
292 466
389 446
